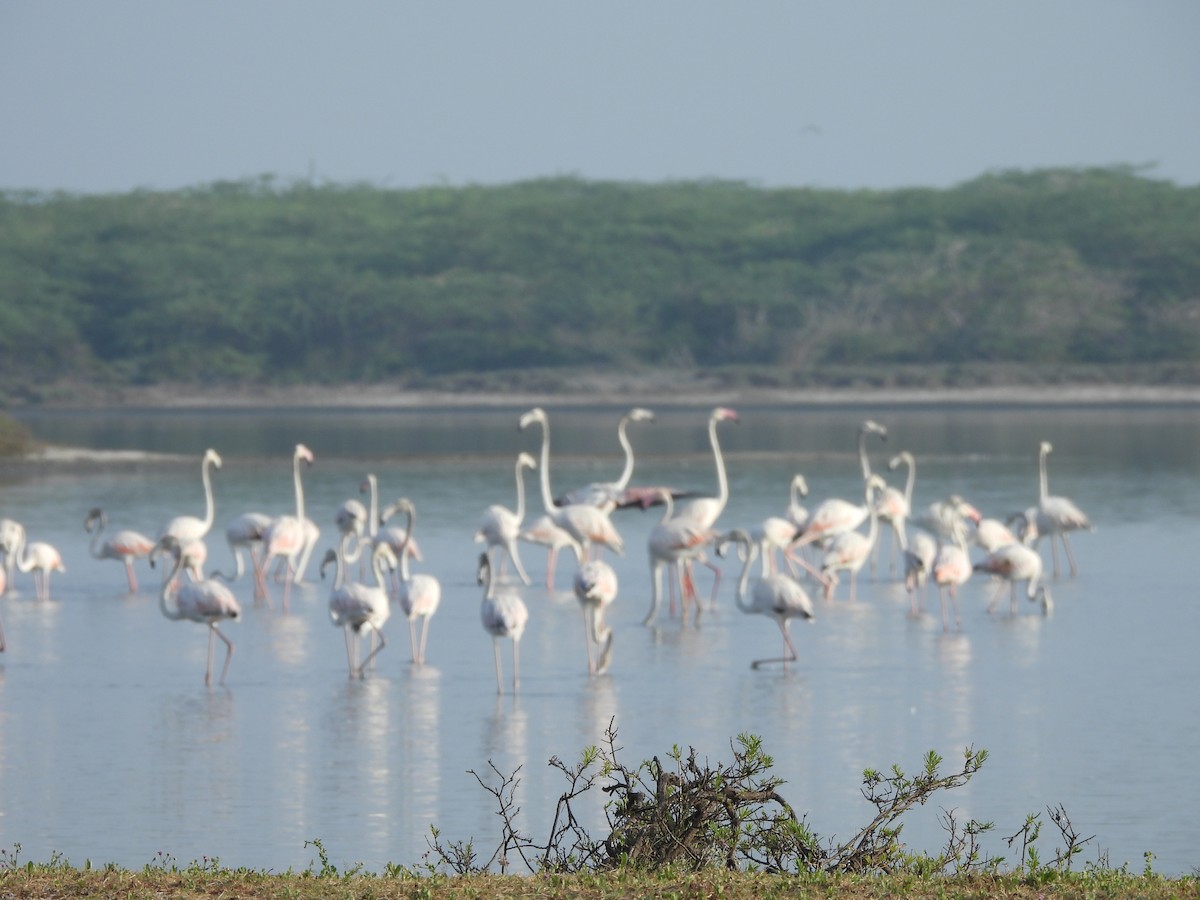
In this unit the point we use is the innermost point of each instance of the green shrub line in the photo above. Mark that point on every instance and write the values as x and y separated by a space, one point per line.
677 825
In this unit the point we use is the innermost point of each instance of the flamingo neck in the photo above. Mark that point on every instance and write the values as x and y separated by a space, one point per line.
669 503
169 589
1043 479
912 480
373 524
744 578
411 514
547 496
210 510
862 455
377 563
520 491
627 472
94 544
722 480
299 488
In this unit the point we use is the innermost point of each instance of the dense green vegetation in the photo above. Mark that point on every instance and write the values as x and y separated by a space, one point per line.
262 282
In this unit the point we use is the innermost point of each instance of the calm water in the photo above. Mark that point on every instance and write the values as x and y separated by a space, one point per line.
112 749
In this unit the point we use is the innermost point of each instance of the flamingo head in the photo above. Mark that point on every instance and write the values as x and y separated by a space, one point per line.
525 461
330 557
638 414
96 514
1045 448
537 414
212 457
725 414
365 486
870 426
304 453
800 484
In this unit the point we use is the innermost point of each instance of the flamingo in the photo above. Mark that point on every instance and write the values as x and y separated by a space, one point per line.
420 594
606 495
355 606
41 559
849 551
1057 515
504 615
895 506
501 527
797 513
775 534
918 563
193 555
777 596
588 525
543 531
208 602
124 546
596 589
12 535
1019 562
836 516
941 515
286 537
951 569
992 534
191 528
673 540
245 531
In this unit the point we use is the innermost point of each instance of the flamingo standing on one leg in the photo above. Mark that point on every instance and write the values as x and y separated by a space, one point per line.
596 589
285 537
778 596
1057 515
124 546
501 526
207 602
504 615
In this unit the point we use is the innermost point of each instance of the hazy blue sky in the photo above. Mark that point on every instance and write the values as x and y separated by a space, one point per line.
109 95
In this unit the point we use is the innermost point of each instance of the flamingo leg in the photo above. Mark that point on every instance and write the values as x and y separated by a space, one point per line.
551 556
587 639
789 649
1 635
424 638
516 666
655 591
1054 554
499 673
1070 556
228 651
375 633
133 585
351 644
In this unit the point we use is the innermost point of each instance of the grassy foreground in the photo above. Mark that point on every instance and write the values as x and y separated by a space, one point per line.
59 881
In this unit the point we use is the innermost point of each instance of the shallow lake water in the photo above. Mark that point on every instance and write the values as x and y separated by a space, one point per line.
112 748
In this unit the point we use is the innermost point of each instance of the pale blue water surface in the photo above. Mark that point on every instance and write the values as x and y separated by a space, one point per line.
112 749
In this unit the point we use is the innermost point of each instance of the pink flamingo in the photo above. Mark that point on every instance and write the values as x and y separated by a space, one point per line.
895 506
208 602
12 535
606 495
951 569
1019 562
836 516
355 607
670 544
849 551
596 589
246 531
285 537
777 596
41 559
420 594
124 546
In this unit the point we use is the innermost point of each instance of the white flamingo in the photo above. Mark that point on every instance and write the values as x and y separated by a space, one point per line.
124 546
895 506
777 596
245 532
596 589
501 526
12 535
207 602
1057 515
849 551
952 569
41 559
192 528
419 594
543 531
588 525
354 606
285 538
918 565
504 615
607 494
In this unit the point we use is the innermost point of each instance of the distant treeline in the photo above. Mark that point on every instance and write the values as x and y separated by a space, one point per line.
259 281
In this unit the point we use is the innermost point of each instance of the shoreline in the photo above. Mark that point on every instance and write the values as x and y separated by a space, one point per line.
610 392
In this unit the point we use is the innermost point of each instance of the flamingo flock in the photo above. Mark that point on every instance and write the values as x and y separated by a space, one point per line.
836 539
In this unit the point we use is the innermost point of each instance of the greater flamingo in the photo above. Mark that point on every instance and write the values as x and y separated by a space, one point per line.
1057 515
918 564
835 516
588 525
504 615
1019 562
777 596
285 537
951 569
895 506
501 526
608 494
191 528
543 531
420 594
41 559
207 602
596 589
245 532
12 535
849 551
124 546
670 544
354 606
